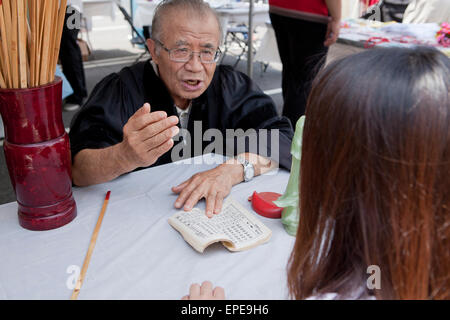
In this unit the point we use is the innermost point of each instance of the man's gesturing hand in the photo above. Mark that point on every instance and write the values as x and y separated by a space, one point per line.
146 137
213 185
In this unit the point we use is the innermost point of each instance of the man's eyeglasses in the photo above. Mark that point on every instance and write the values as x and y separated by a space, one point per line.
185 54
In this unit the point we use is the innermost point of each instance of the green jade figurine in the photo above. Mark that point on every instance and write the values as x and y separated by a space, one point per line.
289 200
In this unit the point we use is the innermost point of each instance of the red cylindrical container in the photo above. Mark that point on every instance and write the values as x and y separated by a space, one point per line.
37 153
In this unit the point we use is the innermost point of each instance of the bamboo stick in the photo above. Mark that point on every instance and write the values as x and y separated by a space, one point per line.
14 45
35 37
41 17
5 61
8 26
30 42
7 11
27 41
54 13
22 43
87 259
37 52
2 81
60 26
29 45
46 43
2 78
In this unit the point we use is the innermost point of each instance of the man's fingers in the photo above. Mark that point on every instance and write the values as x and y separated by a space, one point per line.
185 193
210 202
218 203
186 297
195 197
154 128
143 118
153 118
161 138
180 187
139 121
160 150
146 108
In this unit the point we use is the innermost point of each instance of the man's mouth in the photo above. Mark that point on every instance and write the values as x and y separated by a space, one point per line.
192 84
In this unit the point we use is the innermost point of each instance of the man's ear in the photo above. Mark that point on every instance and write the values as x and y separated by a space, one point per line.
151 45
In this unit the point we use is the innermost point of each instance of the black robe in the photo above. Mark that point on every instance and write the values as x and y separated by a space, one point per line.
231 101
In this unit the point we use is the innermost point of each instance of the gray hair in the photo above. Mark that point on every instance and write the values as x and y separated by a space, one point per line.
198 7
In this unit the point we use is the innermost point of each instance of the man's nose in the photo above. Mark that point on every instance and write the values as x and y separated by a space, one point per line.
194 64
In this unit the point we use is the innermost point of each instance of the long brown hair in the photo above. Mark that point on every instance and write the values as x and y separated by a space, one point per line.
375 178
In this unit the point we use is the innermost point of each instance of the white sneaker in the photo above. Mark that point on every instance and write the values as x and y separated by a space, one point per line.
71 106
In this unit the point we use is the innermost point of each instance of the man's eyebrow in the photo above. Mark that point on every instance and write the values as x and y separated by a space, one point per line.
185 43
208 45
181 43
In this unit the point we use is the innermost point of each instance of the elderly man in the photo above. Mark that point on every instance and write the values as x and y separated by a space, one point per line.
131 118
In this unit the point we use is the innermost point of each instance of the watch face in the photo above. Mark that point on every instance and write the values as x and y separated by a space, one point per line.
249 173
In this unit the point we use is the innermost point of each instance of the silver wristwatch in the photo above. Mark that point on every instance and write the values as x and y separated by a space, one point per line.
249 170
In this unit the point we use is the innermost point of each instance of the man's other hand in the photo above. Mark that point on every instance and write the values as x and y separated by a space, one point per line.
213 185
146 136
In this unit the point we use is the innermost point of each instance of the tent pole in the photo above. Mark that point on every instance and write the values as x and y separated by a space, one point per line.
250 40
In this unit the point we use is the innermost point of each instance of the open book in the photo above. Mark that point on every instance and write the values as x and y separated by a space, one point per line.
235 227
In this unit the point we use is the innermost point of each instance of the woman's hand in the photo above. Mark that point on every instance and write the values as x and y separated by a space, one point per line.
204 292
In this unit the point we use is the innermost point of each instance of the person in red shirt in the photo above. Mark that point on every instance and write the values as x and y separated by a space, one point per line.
304 30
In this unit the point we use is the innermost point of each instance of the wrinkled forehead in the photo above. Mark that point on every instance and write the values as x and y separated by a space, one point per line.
187 26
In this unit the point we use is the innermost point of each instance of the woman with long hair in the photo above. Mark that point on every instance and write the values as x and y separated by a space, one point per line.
375 180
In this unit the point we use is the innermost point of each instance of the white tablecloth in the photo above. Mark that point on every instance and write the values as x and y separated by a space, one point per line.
138 255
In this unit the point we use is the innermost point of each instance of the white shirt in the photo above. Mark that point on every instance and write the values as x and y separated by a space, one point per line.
183 115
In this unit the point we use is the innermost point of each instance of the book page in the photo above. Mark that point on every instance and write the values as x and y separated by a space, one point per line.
241 227
196 229
237 228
